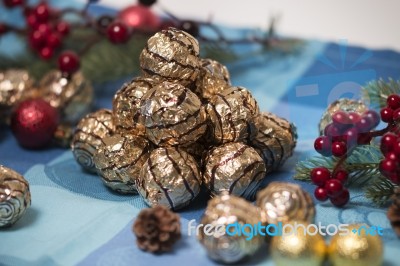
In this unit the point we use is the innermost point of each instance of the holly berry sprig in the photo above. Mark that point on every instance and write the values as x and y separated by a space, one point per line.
347 131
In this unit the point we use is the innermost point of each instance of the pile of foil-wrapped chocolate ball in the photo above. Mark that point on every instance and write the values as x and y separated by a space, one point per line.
180 126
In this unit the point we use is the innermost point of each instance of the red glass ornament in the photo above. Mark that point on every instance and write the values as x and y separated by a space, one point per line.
140 17
68 62
34 123
118 32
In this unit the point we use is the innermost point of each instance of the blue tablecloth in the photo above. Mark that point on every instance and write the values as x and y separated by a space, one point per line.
75 220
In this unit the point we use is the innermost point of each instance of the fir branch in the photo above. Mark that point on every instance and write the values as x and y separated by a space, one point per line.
380 191
303 168
376 92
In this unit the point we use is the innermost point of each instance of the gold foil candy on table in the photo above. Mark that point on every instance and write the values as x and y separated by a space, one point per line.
231 115
173 115
343 104
170 177
72 96
276 139
227 210
89 135
213 78
15 197
171 55
284 202
298 248
356 248
126 106
233 167
119 159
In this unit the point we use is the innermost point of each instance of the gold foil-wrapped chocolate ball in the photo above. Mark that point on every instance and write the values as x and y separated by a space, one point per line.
173 115
343 104
89 135
126 106
72 96
15 197
213 78
171 55
231 115
170 177
284 202
276 139
234 167
356 248
119 160
298 248
228 210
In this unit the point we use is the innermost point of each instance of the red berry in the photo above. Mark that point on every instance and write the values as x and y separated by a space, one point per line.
373 116
392 156
321 194
3 29
395 178
396 148
339 148
42 12
323 145
393 101
387 167
53 40
341 199
365 124
333 187
117 32
68 62
340 119
37 39
46 53
351 135
364 138
354 117
332 130
13 3
44 28
396 115
320 175
387 115
387 142
63 28
31 20
341 175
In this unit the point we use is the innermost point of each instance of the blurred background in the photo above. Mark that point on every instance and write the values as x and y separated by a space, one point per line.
373 24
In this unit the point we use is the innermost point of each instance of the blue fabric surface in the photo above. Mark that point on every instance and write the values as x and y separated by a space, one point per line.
75 220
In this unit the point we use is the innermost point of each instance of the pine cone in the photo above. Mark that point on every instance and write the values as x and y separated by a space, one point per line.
157 229
393 213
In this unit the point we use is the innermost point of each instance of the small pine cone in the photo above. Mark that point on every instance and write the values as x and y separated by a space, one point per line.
393 213
157 229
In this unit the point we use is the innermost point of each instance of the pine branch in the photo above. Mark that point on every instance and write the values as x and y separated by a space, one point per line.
303 168
377 92
380 191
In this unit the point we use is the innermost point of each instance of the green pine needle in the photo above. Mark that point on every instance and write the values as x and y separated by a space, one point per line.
380 191
378 91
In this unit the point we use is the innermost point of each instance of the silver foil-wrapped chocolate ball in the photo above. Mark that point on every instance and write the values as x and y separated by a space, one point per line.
231 115
169 177
284 202
72 96
234 167
343 104
89 135
15 197
126 106
119 160
173 115
213 78
171 55
221 212
275 140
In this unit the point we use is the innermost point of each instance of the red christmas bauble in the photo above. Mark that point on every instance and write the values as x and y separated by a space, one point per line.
140 17
33 123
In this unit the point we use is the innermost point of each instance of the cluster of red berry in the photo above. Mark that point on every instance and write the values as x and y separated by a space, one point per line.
390 142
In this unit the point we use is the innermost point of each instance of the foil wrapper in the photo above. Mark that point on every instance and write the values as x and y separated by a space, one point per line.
63 135
73 96
89 135
15 197
126 106
212 79
234 167
344 104
231 115
170 177
119 160
284 202
173 115
275 140
171 55
227 210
